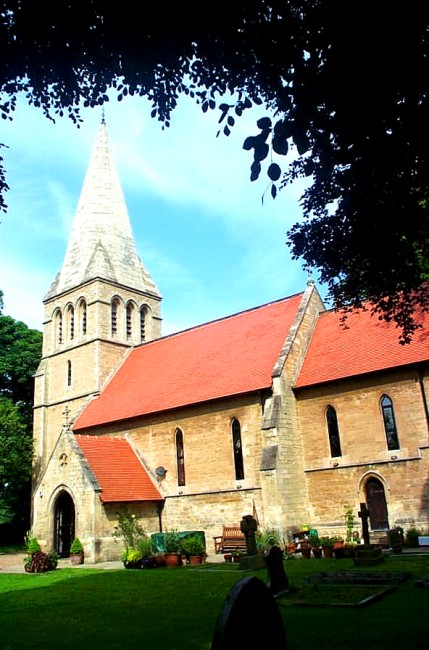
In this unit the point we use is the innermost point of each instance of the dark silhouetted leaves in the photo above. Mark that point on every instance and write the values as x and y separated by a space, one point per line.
274 172
255 170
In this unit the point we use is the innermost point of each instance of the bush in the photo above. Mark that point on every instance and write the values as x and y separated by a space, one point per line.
172 541
193 545
32 544
40 562
128 529
144 545
412 535
76 547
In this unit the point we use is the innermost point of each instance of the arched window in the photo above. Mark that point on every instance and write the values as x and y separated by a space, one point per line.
59 327
82 317
130 312
238 450
143 323
333 431
114 316
70 322
69 373
180 457
389 422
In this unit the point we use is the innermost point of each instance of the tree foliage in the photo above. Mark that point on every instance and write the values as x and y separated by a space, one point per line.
20 352
15 462
345 86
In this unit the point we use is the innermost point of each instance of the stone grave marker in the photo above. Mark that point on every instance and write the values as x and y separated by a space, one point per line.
249 618
278 581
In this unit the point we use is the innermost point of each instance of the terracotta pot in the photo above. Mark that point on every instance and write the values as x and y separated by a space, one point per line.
76 559
195 559
171 559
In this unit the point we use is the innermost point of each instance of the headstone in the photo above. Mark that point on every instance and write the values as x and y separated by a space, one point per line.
248 527
249 618
364 515
277 579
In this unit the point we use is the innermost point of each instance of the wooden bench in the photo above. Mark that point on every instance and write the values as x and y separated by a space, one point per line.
231 540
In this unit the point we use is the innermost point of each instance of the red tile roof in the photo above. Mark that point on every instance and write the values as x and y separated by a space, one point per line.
119 472
367 345
227 357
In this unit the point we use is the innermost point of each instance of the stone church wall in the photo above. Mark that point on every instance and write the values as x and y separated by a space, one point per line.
335 483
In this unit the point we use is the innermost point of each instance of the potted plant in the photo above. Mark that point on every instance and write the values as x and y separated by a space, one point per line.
146 550
77 554
316 546
327 546
193 547
172 548
132 558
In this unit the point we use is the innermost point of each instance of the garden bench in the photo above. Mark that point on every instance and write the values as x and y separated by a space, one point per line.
231 540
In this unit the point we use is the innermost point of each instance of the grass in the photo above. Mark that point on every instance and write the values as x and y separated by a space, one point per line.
177 608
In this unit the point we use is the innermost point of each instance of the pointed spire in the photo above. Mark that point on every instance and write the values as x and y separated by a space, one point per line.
101 243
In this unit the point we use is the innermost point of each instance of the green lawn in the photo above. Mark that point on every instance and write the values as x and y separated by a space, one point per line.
177 609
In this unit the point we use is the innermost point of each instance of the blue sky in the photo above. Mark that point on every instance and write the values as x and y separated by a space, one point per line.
200 226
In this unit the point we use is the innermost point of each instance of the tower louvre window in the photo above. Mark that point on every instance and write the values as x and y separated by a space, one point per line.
130 311
143 317
83 317
114 317
69 373
70 318
59 327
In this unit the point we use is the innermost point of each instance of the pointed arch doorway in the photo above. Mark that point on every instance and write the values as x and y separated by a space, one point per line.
376 503
64 523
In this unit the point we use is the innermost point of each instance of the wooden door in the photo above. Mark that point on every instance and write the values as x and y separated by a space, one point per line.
64 524
377 506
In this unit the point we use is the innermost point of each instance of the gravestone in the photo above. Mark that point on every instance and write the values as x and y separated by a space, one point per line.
253 560
364 515
248 527
278 581
249 618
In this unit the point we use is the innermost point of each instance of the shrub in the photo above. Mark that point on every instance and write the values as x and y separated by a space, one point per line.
193 545
172 541
40 562
267 538
144 545
412 535
128 529
76 547
32 544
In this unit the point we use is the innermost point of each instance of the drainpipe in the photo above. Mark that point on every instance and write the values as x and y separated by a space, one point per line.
422 390
159 510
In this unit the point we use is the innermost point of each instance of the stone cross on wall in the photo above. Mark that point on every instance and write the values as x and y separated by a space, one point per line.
364 515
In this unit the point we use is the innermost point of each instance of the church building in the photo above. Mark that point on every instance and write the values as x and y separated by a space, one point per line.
278 411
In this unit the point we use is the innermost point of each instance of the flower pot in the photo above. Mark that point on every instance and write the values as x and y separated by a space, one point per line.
328 551
171 559
317 552
195 559
76 558
306 552
149 563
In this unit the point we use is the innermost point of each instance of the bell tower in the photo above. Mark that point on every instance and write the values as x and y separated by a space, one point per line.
101 304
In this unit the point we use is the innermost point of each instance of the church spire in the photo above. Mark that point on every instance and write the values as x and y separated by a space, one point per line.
101 243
